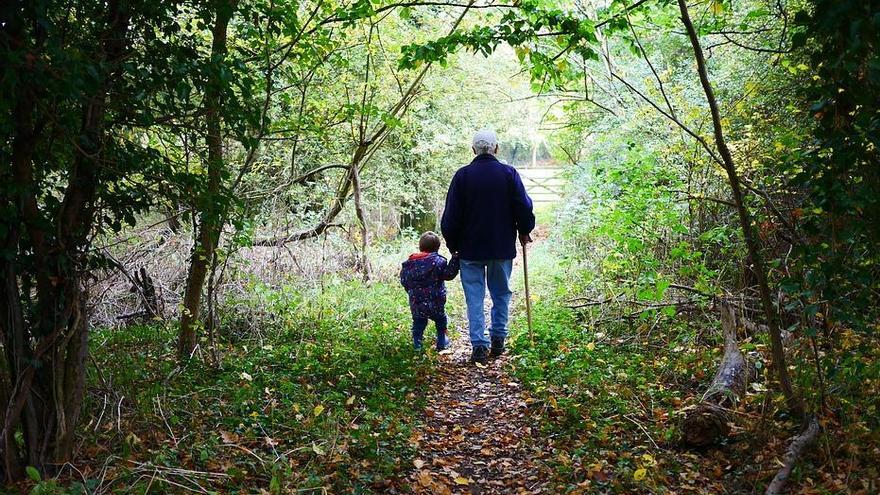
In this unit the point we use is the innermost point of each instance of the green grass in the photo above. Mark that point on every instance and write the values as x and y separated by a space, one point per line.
318 389
609 394
326 397
605 394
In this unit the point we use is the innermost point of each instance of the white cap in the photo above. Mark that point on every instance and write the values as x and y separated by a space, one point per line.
485 138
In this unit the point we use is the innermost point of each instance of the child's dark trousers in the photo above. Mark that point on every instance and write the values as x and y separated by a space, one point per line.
418 331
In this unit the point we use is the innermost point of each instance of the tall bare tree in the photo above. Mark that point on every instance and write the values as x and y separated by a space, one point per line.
209 226
794 402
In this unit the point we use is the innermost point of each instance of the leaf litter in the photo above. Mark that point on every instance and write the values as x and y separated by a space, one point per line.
478 437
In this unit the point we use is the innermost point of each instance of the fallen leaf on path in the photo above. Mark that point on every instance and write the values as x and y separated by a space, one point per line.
640 474
425 478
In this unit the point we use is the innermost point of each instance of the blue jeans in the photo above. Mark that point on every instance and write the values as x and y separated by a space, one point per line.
475 275
418 331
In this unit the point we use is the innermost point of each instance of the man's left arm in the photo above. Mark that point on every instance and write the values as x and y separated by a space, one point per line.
450 222
523 213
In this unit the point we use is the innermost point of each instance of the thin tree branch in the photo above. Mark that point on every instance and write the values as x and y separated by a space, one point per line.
677 122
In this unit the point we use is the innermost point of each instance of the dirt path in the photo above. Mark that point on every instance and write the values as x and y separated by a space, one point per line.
478 437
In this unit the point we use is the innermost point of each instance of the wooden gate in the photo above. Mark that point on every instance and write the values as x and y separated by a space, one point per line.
544 184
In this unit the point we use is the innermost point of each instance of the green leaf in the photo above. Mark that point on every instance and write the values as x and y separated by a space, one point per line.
662 285
275 485
32 473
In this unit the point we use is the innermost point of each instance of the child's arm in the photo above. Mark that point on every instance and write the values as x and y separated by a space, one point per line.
450 270
404 279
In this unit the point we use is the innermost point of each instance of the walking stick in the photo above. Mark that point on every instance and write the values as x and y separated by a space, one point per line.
528 298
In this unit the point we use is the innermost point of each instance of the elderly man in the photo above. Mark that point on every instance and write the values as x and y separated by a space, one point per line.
486 207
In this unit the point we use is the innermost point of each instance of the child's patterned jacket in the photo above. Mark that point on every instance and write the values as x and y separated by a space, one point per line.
423 276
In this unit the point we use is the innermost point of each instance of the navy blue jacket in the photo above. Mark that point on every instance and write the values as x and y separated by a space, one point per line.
486 207
422 275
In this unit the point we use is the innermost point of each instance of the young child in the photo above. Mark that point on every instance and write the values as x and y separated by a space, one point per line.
423 276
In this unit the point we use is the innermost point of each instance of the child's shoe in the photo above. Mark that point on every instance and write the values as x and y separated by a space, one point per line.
442 340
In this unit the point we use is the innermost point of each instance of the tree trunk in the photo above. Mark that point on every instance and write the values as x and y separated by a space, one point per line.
794 402
46 352
708 421
362 218
209 224
10 324
16 337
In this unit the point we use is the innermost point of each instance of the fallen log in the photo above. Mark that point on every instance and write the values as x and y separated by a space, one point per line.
709 421
797 448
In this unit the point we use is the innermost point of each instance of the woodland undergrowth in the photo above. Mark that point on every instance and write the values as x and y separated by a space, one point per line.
314 387
321 399
611 393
